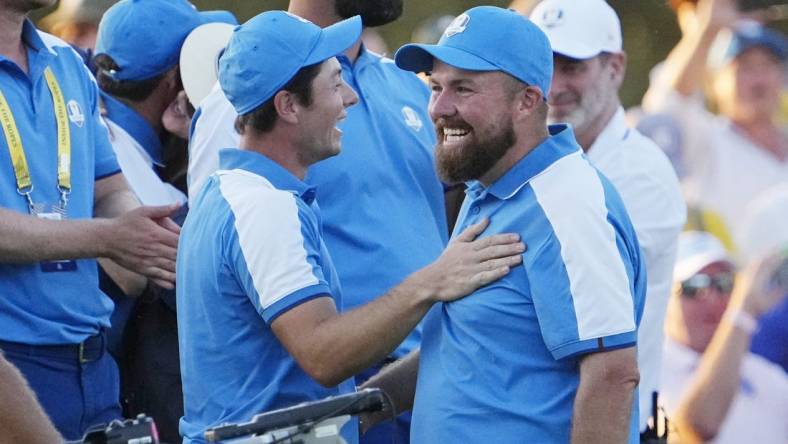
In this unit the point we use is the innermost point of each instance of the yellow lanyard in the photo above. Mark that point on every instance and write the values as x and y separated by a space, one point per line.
24 184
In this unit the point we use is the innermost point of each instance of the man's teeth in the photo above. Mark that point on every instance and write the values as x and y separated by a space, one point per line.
454 134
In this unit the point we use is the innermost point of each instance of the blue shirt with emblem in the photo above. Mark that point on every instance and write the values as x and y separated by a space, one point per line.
37 306
251 249
501 365
382 201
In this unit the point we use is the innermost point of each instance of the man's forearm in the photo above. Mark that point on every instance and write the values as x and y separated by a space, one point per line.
603 404
114 204
398 380
343 345
21 419
26 239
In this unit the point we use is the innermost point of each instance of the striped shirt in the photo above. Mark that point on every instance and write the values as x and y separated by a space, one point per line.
251 249
502 364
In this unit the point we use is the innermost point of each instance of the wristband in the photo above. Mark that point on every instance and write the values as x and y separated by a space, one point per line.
740 318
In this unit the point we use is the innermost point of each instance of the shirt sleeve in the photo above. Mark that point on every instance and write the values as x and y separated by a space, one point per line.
273 250
580 269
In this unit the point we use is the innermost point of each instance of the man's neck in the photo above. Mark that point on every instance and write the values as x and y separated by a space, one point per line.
276 146
587 137
322 13
150 110
11 45
514 155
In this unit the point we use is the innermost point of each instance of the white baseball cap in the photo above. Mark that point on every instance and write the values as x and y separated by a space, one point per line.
580 29
199 62
697 249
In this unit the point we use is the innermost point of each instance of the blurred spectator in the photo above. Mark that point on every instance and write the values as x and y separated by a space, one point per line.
733 157
76 21
589 66
713 388
765 229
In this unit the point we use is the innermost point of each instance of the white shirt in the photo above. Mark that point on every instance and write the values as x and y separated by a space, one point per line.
645 179
215 131
725 169
759 412
137 167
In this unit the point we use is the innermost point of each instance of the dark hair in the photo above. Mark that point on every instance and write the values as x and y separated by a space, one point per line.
134 90
263 117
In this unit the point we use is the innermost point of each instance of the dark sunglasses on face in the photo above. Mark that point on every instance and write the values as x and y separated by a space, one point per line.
722 282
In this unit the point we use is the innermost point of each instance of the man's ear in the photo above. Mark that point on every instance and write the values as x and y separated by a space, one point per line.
528 100
617 63
286 106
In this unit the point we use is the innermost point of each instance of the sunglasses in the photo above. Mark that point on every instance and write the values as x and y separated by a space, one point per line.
722 282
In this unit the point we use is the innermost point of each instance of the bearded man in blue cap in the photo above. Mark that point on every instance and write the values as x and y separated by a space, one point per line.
258 297
546 354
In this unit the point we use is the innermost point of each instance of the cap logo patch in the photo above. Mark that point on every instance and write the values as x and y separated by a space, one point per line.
75 113
553 17
411 118
457 25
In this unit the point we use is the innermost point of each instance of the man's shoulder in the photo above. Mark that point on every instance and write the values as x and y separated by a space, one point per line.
395 76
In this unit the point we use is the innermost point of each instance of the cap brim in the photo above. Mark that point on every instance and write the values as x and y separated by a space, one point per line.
419 58
218 17
199 60
690 267
335 39
570 46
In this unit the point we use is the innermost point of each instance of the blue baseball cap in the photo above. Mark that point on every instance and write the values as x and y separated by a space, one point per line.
268 51
487 38
144 37
749 35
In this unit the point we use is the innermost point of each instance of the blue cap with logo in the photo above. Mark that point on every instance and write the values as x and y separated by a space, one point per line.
266 52
487 38
750 34
144 37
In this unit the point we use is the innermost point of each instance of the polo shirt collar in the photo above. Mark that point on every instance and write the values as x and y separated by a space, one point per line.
364 58
32 39
262 165
611 137
134 124
558 144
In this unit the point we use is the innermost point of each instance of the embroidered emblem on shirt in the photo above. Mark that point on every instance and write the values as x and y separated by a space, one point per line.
411 118
457 25
75 113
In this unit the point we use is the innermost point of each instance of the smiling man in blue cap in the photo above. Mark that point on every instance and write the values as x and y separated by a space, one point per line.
258 297
546 354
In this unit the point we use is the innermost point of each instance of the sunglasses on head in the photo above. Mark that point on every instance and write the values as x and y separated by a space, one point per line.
722 282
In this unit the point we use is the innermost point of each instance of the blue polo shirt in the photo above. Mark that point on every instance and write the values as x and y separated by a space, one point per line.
63 307
383 208
251 249
501 365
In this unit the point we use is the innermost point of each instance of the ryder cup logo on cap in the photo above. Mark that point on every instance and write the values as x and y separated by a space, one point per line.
491 39
268 51
579 29
144 37
457 25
